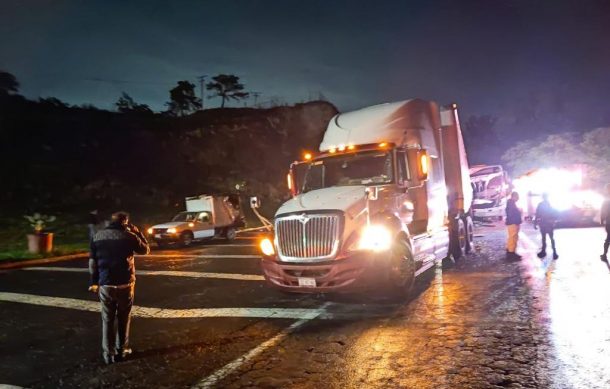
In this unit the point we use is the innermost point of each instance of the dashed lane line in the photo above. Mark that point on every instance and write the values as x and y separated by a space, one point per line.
201 256
214 379
164 313
170 273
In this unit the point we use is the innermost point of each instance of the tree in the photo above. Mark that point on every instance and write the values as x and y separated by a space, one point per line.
8 83
126 104
591 148
183 99
227 87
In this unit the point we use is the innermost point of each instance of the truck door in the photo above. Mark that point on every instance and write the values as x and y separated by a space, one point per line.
204 227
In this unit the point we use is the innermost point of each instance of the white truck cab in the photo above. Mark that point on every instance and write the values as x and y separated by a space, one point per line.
205 217
387 196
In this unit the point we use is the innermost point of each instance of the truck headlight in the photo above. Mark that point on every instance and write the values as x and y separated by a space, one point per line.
267 247
171 230
150 231
375 238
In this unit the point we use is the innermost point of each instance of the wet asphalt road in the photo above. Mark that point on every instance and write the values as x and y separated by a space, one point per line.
209 321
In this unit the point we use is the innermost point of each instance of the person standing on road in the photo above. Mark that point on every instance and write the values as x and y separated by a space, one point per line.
605 220
513 224
112 270
546 217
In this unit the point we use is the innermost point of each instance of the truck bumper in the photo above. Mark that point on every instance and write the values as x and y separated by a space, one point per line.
341 275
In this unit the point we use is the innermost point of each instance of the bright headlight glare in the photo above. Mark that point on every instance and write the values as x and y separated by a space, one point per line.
150 230
267 247
171 230
376 238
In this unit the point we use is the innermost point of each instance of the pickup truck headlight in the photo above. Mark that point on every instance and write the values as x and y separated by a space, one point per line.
375 238
267 247
171 230
150 231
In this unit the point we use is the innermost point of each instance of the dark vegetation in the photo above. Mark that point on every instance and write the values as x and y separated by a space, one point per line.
74 159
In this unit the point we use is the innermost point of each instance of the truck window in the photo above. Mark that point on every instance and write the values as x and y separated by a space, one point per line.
401 162
365 168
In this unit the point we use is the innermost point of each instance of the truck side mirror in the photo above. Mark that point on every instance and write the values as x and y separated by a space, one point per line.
423 164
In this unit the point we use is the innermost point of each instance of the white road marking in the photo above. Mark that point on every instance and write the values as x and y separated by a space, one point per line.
170 273
202 256
526 239
213 379
165 313
5 386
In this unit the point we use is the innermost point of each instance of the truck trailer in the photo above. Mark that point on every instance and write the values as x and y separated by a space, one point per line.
386 198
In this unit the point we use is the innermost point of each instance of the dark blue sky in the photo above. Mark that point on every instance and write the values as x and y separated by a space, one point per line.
489 56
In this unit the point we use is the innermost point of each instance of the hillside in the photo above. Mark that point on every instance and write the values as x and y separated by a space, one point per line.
66 157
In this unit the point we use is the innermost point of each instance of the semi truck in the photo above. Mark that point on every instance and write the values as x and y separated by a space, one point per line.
491 187
386 198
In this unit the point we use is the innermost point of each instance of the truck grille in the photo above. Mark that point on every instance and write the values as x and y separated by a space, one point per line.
307 237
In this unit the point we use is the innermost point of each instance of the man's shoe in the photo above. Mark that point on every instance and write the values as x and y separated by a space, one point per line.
123 354
542 254
555 256
604 258
108 359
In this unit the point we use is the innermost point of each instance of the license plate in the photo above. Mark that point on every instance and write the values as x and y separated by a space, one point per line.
158 236
307 282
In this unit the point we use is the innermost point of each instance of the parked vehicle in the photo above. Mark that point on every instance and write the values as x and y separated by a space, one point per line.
206 217
387 197
570 194
491 187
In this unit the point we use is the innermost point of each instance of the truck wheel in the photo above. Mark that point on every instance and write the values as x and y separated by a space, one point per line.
402 270
186 238
457 240
230 234
469 235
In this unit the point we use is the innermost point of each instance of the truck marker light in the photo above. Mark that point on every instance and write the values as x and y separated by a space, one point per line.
332 150
383 144
424 164
150 231
351 147
307 156
191 224
171 230
375 238
341 148
289 181
267 247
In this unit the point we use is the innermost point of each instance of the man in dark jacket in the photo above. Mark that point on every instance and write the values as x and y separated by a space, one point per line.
546 217
513 224
605 219
113 275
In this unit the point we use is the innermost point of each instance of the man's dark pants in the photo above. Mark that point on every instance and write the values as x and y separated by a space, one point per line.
116 304
544 231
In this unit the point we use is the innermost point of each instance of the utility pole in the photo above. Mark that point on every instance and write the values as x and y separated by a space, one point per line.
202 84
255 94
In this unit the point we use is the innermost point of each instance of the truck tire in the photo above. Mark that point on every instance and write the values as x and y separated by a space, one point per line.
402 270
469 234
229 234
186 238
457 239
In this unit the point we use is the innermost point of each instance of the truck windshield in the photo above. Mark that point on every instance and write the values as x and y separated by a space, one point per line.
185 216
366 168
